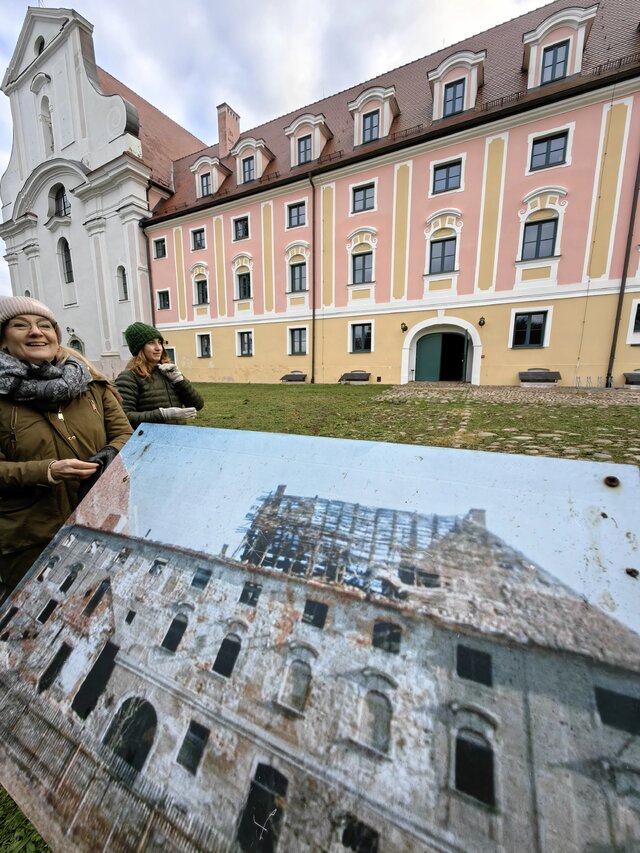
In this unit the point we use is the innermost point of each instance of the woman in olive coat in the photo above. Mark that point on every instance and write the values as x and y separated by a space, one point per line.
153 390
60 426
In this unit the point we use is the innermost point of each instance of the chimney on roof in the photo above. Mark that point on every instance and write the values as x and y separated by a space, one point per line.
478 516
228 129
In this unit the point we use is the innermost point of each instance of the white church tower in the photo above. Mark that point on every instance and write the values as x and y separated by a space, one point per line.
90 160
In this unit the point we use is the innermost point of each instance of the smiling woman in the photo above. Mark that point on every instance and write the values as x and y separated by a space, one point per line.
61 424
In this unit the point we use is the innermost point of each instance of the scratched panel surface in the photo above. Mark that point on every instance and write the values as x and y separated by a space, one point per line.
247 641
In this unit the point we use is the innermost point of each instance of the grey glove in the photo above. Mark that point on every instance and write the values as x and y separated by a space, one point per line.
178 415
172 372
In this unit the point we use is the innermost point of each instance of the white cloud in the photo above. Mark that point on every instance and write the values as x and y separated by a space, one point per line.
264 59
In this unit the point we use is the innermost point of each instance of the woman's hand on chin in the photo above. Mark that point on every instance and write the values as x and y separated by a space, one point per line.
72 469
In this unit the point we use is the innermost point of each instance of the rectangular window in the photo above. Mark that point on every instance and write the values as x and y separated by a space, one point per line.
171 352
474 665
205 184
53 670
204 345
296 215
447 177
298 277
201 578
246 343
175 633
163 300
315 613
298 341
94 684
474 768
197 239
304 149
131 615
371 126
539 239
241 228
549 151
554 62
453 98
202 292
250 594
387 636
636 322
363 198
160 248
96 598
619 711
47 610
244 285
362 267
248 170
361 337
442 256
192 747
528 329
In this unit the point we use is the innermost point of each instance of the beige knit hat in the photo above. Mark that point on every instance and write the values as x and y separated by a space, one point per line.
11 306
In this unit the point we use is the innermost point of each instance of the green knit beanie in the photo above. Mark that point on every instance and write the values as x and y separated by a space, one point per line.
139 334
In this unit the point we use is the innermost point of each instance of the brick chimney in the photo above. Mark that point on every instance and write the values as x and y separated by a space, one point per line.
478 516
228 129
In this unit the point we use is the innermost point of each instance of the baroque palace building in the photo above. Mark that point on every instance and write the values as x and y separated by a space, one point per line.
466 217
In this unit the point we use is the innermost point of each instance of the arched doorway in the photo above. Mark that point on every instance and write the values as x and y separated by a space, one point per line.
442 356
132 731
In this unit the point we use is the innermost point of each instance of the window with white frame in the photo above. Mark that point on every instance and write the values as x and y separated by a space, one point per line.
549 151
442 256
123 289
296 214
241 228
304 149
171 354
248 169
361 337
298 341
633 333
201 291
243 282
541 219
456 81
371 126
203 345
555 60
453 98
245 343
555 49
539 239
163 300
197 239
363 198
61 202
69 293
362 267
298 277
205 184
447 176
160 248
529 329
442 232
373 111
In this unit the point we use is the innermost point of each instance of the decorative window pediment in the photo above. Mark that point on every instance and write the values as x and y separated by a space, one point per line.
308 135
373 113
252 158
209 166
567 26
455 83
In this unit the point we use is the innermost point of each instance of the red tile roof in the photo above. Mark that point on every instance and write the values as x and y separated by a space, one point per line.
614 40
162 139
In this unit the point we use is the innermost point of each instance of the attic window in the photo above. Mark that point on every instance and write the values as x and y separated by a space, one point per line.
39 45
201 578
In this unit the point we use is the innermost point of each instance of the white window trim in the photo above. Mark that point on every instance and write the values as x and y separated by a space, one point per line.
191 233
450 219
166 253
633 337
360 322
243 159
234 219
199 176
374 98
295 328
559 209
580 20
199 336
310 134
119 283
175 352
463 65
289 204
534 137
360 184
194 284
253 342
361 237
158 292
531 309
445 160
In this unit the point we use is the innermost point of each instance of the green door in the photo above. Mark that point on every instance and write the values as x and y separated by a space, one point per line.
428 355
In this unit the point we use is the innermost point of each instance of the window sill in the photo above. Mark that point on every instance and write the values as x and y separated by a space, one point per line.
291 227
527 346
472 801
442 274
245 355
161 258
200 304
239 239
198 248
434 193
523 263
360 352
204 356
364 210
124 300
296 292
370 750
293 712
360 283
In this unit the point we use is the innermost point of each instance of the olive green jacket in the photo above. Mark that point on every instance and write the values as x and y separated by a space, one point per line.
142 399
31 508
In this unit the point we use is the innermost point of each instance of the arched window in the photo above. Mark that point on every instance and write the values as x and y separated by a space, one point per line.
67 583
39 45
76 344
474 766
376 723
227 655
132 731
62 206
67 263
123 289
297 685
175 633
47 126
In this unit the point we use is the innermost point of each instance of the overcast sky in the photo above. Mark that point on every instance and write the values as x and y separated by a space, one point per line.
263 57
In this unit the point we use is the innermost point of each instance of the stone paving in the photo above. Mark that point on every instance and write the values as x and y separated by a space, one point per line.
488 418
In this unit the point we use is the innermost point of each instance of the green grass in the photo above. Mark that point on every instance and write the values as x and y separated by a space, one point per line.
447 419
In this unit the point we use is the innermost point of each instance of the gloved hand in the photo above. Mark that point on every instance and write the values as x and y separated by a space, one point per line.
172 372
178 415
103 458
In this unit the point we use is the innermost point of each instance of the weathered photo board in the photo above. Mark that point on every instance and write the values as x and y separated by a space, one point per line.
247 641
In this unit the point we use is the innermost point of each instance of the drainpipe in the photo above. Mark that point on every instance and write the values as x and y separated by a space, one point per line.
623 281
142 223
313 280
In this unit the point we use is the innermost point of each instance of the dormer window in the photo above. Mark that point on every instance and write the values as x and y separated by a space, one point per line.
252 158
209 173
455 83
248 169
205 184
373 113
554 50
308 135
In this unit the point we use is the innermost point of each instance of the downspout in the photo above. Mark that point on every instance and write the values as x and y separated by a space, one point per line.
146 246
623 281
313 280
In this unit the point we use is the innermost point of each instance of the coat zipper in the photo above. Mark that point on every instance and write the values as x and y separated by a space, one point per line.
61 417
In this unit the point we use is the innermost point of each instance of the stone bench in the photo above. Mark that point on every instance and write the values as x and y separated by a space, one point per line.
632 380
538 377
354 377
294 376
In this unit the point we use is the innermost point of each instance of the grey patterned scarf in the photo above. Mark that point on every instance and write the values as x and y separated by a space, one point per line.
44 386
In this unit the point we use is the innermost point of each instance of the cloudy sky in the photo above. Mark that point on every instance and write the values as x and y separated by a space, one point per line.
271 57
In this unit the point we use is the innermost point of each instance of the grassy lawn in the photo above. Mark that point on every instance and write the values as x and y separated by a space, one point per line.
580 425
